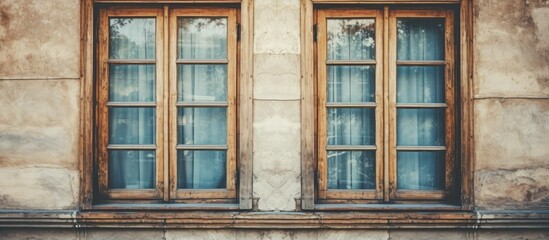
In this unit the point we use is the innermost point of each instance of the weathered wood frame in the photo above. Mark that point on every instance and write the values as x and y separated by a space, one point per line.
464 109
89 74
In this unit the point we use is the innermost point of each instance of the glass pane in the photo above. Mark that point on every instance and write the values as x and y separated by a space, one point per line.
351 39
351 126
420 84
202 126
199 169
202 83
420 127
420 39
132 125
351 170
351 84
132 83
202 38
132 169
132 38
420 170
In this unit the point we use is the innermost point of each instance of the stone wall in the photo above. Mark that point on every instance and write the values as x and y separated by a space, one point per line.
39 111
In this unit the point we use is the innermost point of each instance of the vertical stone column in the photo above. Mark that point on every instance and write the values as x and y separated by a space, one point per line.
276 138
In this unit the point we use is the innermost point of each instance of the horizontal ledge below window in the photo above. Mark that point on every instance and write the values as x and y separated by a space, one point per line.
275 220
202 61
202 104
350 105
350 62
166 206
387 207
131 104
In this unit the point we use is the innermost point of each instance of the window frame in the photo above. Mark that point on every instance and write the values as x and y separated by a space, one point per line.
459 194
90 192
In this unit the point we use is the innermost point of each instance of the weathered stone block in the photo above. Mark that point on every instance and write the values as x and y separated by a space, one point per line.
354 234
278 235
38 188
500 189
530 234
39 234
511 48
39 39
201 234
511 134
39 123
124 234
277 76
425 234
276 154
277 26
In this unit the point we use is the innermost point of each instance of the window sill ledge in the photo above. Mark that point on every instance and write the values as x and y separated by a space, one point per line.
388 207
166 207
274 220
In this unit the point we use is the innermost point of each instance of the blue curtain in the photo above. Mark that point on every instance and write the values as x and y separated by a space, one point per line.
420 40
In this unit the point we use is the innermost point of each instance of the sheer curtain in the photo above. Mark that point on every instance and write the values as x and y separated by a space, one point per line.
420 40
202 39
132 38
348 40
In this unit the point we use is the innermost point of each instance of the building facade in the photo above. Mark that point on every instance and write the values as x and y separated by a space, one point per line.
274 119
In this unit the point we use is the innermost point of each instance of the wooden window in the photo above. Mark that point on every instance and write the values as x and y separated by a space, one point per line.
166 110
386 118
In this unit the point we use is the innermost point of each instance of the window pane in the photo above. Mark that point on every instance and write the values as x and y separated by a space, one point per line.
351 84
420 170
202 38
202 83
132 83
132 38
351 39
132 125
202 126
132 169
351 126
199 169
351 170
420 84
420 127
420 39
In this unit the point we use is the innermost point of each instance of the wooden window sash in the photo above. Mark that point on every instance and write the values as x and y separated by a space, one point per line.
444 194
386 104
230 191
166 130
322 62
104 104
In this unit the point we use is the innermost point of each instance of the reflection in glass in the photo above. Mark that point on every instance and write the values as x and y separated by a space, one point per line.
202 126
200 169
420 39
421 127
420 170
351 84
202 38
351 170
132 169
203 82
132 125
132 83
351 39
423 84
351 126
132 38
